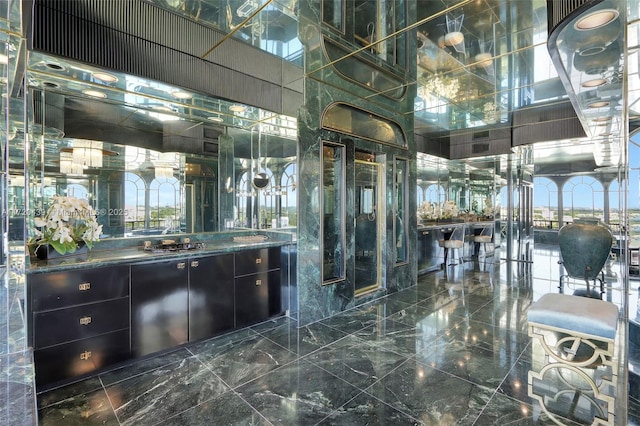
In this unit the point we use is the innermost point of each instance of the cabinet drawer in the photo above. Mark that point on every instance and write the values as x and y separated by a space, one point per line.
54 290
79 322
212 269
81 357
259 260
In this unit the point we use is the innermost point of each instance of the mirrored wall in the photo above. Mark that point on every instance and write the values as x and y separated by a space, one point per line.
149 173
468 190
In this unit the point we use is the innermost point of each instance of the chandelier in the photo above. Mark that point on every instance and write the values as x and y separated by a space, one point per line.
439 86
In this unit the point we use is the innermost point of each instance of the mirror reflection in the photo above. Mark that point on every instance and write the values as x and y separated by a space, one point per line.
154 174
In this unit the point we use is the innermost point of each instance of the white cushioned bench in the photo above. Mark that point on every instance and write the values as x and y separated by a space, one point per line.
574 321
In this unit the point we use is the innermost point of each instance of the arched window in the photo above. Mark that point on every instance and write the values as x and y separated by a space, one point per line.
164 204
134 189
583 196
545 203
435 194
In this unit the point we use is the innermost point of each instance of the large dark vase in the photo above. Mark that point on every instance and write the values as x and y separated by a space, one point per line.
584 247
47 252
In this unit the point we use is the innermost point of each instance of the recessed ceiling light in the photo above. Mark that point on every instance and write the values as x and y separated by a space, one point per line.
215 118
54 66
601 119
238 108
95 93
50 84
605 134
106 77
599 104
596 19
594 82
182 95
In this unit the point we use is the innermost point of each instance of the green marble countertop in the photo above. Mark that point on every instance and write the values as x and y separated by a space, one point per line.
439 225
113 256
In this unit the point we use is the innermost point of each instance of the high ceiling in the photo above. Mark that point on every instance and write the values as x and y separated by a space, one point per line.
501 66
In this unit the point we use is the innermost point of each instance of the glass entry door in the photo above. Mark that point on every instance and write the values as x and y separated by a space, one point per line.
369 215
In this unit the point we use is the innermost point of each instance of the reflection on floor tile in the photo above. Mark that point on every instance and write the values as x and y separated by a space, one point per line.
452 350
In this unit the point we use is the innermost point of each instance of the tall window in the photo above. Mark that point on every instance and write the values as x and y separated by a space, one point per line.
545 203
134 201
583 196
164 202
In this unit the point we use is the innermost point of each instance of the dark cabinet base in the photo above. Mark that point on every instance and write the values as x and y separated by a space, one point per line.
210 296
79 322
82 357
159 306
253 300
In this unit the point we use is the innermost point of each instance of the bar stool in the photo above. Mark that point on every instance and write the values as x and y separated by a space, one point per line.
454 243
485 237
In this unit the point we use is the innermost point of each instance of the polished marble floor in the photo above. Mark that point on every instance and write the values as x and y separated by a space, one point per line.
452 350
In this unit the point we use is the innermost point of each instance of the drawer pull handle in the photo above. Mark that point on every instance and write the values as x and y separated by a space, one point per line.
85 355
258 282
84 286
195 264
181 265
258 261
85 320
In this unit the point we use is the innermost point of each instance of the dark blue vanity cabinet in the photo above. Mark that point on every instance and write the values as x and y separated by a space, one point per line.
257 285
79 321
211 296
429 256
87 319
159 305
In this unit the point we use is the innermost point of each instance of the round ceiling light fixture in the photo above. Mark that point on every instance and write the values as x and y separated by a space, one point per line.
237 108
179 94
215 118
54 66
595 82
484 60
106 77
596 19
599 104
95 93
453 38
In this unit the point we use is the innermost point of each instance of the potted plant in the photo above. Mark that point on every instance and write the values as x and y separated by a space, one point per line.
69 224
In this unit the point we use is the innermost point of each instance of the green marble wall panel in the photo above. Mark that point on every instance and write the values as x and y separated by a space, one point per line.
323 86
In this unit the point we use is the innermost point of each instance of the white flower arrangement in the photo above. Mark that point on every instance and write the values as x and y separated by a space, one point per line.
67 222
426 211
449 210
488 208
